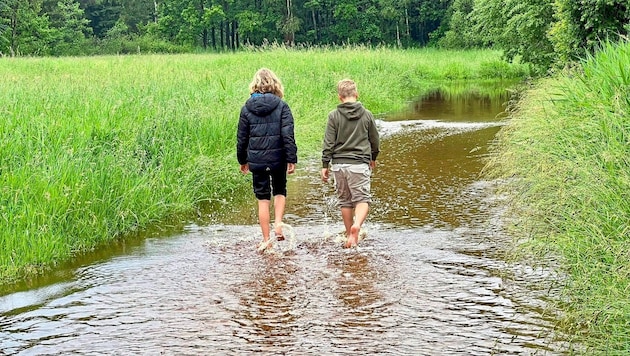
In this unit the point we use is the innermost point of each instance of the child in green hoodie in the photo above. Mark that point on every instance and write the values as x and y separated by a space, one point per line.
351 145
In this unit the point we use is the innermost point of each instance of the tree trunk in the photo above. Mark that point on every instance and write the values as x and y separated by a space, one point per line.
233 35
289 36
214 37
13 25
221 34
407 22
204 32
314 24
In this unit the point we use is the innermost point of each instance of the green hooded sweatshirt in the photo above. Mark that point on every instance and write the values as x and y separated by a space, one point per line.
351 135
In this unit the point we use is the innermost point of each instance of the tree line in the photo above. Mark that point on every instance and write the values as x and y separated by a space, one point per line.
541 32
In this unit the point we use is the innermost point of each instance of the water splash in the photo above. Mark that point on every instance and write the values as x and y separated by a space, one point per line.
291 241
274 246
331 206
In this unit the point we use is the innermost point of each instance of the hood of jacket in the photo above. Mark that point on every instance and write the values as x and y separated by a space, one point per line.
262 104
351 110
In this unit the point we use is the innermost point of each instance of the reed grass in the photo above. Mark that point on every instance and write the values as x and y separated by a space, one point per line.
566 153
96 148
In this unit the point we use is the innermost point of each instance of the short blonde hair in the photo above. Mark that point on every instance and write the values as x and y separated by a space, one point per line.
265 81
347 88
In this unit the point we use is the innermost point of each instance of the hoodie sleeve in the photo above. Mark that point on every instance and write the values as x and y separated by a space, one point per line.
288 137
242 137
330 136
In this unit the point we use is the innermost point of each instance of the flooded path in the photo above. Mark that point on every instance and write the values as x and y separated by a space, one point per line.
429 278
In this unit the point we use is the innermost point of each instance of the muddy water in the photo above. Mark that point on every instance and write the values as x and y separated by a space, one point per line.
428 279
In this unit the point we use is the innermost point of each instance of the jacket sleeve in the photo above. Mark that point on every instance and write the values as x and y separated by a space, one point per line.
374 138
288 137
242 137
330 137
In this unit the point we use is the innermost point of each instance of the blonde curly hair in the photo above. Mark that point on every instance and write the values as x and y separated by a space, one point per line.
266 81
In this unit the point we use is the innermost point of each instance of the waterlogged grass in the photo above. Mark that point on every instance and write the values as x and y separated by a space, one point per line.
566 151
95 148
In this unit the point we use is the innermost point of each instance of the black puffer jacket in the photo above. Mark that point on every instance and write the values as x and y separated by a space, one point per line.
265 137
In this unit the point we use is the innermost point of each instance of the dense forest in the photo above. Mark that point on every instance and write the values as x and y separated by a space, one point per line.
541 32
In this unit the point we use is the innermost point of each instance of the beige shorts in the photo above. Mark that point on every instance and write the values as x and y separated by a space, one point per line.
352 183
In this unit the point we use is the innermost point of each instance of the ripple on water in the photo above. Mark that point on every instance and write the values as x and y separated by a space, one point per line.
401 292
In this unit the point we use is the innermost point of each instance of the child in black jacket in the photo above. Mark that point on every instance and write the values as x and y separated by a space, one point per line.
266 147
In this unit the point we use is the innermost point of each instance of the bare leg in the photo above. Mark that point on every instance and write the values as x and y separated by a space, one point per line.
360 214
347 214
263 218
279 202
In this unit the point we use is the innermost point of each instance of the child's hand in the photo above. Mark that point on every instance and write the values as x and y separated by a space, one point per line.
290 168
325 175
245 168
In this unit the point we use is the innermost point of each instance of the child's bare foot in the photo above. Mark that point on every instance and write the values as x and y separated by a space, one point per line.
263 245
278 231
353 238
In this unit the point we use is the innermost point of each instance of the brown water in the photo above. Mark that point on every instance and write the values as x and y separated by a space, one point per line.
429 279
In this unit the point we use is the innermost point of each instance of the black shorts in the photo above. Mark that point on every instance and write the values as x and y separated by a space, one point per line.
265 181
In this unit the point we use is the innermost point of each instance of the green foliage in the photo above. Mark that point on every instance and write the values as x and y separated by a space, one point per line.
102 14
494 69
137 13
581 25
519 27
249 22
429 17
134 44
5 20
549 32
566 160
69 29
26 29
539 32
224 24
459 34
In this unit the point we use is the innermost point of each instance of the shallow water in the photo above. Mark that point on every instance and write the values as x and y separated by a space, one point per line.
428 279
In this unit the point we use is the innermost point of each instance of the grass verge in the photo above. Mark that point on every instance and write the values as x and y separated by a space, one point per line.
565 155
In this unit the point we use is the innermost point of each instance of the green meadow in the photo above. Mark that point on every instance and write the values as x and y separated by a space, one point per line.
96 148
565 158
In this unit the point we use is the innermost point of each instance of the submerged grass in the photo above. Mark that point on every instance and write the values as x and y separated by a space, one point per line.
566 153
95 148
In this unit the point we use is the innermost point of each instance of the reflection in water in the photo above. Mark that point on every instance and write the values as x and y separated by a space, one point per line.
355 282
471 105
427 280
423 177
267 303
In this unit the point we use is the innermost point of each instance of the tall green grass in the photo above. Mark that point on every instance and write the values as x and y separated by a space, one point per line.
566 153
95 148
